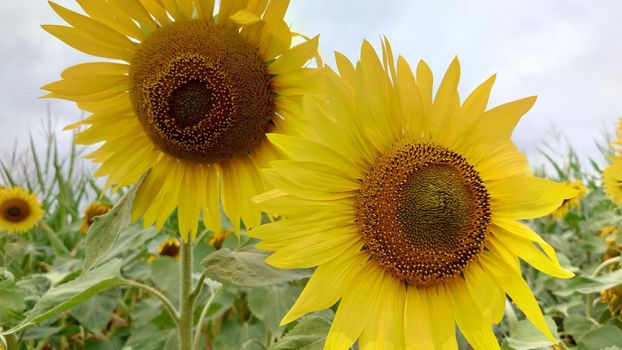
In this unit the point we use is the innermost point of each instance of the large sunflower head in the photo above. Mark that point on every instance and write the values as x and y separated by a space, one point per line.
187 94
408 203
20 210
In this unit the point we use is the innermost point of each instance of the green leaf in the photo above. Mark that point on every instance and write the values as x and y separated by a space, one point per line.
577 326
245 336
528 337
246 268
11 302
308 334
270 304
130 238
105 229
602 338
96 312
165 275
589 285
150 337
65 296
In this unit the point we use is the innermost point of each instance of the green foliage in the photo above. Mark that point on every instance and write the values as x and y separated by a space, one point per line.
64 290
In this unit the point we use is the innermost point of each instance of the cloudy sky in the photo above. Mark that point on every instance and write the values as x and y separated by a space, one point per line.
567 52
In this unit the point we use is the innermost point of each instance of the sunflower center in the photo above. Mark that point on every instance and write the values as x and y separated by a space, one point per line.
201 92
15 210
170 249
424 213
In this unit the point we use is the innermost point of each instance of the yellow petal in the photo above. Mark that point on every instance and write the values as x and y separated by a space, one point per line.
527 251
488 297
276 38
186 8
425 83
172 9
513 283
497 124
316 249
244 17
157 10
276 10
94 29
306 150
327 285
346 69
206 9
386 330
523 231
358 305
526 197
135 10
472 323
97 69
113 16
213 198
76 39
87 85
295 58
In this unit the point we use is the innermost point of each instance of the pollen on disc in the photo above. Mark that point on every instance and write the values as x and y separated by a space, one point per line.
201 92
424 213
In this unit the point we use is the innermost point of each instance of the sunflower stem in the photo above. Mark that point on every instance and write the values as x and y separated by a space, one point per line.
511 317
57 244
200 325
589 303
165 301
186 302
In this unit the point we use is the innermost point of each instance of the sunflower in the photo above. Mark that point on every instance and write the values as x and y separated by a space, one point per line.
408 203
20 210
187 96
93 210
170 248
612 179
570 203
218 238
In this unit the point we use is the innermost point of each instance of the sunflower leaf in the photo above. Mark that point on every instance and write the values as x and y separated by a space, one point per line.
589 285
105 229
75 292
309 334
246 268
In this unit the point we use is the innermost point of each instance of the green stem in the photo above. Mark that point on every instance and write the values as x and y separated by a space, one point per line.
156 293
511 317
197 289
185 300
199 330
57 244
589 303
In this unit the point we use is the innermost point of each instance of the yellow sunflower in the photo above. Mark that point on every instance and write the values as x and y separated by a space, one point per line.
170 248
570 203
20 210
94 209
408 204
187 96
612 180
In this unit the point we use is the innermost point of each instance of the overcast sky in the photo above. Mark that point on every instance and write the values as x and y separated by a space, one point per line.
568 52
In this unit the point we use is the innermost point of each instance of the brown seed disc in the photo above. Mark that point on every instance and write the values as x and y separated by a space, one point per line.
201 92
15 210
424 213
170 249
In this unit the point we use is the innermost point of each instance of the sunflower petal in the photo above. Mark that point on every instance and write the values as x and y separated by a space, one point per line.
327 285
526 197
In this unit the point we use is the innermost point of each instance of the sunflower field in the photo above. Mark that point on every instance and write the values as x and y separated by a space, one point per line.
226 189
